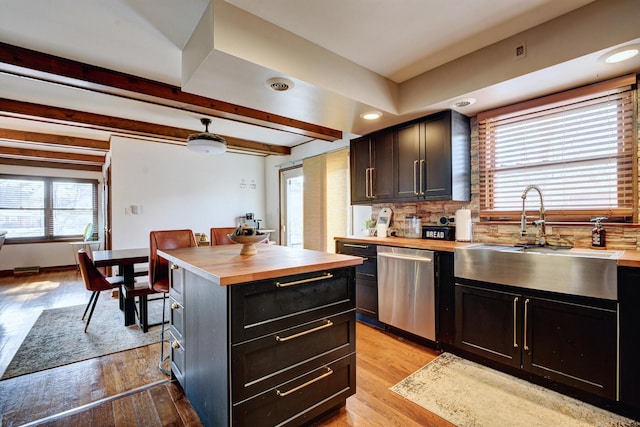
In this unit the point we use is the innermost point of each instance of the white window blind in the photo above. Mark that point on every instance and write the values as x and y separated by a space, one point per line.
326 199
578 148
43 208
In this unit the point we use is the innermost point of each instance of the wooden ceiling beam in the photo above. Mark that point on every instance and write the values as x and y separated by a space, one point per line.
50 139
42 66
53 165
124 126
27 153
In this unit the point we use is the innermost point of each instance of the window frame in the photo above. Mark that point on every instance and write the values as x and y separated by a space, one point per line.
485 156
48 209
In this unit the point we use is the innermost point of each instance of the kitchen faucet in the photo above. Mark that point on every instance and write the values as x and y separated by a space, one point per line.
540 222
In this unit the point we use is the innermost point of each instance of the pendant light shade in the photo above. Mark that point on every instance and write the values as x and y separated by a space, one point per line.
206 142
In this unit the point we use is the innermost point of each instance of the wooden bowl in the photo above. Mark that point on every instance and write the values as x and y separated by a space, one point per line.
248 242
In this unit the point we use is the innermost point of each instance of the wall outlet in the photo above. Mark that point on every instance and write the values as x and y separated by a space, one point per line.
520 51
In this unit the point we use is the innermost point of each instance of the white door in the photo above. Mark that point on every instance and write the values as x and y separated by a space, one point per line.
291 192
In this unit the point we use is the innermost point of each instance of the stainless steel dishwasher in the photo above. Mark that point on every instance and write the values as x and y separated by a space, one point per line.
406 290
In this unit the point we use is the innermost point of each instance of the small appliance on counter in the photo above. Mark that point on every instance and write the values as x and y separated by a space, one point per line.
384 219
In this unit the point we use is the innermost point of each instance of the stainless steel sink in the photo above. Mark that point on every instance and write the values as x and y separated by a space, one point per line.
573 252
584 272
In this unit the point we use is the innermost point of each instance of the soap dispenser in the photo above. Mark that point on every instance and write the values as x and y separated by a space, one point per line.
598 234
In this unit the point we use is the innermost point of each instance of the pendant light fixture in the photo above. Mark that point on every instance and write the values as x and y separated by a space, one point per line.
206 142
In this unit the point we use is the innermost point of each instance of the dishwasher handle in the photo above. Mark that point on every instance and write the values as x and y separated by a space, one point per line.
404 257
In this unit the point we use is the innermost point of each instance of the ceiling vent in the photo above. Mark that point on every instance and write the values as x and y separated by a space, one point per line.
279 84
463 102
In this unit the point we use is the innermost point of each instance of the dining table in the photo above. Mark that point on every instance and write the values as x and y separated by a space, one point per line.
125 260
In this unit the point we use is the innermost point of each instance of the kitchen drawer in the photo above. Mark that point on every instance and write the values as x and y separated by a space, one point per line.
263 363
177 358
364 250
267 306
176 283
368 269
300 400
177 319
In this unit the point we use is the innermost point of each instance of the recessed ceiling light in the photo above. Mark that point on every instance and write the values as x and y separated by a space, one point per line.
371 115
465 102
621 54
279 84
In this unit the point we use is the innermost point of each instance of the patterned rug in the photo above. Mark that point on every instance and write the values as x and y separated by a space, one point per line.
468 394
57 338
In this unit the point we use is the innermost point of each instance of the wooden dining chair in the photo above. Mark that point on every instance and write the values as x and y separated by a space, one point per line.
95 282
218 235
159 271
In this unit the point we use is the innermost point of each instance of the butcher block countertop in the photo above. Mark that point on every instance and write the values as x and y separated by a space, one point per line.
432 245
628 258
223 265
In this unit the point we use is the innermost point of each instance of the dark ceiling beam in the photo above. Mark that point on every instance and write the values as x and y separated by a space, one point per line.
50 139
124 126
53 165
27 153
42 66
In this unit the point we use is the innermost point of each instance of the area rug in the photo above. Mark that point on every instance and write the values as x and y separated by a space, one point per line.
57 338
468 394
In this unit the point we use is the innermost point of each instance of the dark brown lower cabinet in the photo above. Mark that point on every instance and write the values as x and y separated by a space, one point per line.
629 297
269 352
569 340
366 276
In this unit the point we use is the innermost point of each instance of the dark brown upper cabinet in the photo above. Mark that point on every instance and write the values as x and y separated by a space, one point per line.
432 158
425 159
371 158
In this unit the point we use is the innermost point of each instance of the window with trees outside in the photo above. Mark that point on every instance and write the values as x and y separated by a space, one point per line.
36 208
576 146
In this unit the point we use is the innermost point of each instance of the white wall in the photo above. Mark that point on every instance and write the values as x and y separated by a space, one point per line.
42 254
177 188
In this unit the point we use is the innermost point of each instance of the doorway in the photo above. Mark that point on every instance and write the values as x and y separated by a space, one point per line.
291 204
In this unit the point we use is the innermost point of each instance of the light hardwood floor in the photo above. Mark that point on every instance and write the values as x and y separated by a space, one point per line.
127 389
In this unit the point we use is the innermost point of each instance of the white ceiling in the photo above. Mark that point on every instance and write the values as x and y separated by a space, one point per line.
405 58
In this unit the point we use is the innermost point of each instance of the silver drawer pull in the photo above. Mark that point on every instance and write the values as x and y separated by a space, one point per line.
293 390
299 282
174 266
299 334
353 245
175 306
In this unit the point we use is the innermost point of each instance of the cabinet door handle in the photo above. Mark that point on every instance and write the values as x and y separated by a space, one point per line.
174 266
415 177
526 315
421 179
308 383
515 322
373 195
299 282
175 306
353 245
366 183
328 324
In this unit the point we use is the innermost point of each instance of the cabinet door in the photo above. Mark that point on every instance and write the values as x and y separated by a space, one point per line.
360 161
437 165
409 162
382 163
571 343
488 323
629 299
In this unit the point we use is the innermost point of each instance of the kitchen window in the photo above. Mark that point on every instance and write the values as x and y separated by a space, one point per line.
35 209
576 146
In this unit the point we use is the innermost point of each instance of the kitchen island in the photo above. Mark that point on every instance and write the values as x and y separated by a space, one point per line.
262 340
